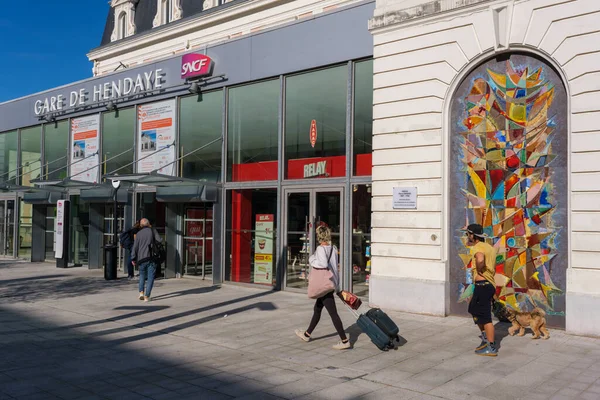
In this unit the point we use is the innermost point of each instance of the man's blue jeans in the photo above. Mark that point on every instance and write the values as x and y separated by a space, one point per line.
147 270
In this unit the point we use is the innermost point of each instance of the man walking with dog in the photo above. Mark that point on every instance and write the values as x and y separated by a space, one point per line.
483 268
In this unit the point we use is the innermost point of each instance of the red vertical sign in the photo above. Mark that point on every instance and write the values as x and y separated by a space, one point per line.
313 133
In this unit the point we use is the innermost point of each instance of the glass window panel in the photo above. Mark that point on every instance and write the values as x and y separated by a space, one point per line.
361 239
251 236
317 151
31 153
25 230
118 129
80 226
8 156
56 154
363 117
252 128
201 123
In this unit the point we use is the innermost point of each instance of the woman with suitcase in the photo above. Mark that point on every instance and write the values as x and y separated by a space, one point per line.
322 285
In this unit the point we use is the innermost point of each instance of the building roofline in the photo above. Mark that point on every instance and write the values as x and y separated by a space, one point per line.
145 65
148 36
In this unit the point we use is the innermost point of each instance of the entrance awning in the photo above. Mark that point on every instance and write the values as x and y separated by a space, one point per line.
103 194
173 189
66 183
186 194
158 180
42 197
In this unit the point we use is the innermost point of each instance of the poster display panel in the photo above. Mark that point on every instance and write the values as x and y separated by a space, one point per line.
156 138
85 138
263 248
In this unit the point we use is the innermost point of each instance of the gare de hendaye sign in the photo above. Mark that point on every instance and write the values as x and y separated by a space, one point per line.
193 66
106 91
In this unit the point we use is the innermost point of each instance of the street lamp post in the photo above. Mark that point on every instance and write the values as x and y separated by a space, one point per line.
116 184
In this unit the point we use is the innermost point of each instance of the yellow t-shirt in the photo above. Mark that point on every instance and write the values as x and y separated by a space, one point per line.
489 254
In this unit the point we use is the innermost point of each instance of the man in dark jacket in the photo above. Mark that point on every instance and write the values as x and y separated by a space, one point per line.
126 239
142 257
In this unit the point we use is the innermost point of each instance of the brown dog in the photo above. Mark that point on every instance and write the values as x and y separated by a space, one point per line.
536 320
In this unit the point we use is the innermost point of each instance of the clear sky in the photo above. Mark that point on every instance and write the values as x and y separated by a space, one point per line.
43 43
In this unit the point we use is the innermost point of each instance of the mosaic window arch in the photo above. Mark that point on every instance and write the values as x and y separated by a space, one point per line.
508 172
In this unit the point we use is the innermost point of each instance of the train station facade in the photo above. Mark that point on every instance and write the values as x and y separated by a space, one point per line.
240 127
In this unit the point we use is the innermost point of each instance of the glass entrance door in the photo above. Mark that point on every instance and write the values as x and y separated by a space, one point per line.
108 237
50 231
156 213
306 210
7 227
197 242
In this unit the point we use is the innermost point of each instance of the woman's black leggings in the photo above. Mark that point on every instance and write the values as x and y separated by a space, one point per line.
329 302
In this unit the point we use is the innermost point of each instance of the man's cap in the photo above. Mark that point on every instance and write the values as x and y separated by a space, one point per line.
476 230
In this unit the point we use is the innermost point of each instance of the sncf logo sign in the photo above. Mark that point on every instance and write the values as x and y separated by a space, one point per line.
194 65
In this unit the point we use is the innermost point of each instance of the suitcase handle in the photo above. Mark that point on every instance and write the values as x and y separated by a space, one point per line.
354 312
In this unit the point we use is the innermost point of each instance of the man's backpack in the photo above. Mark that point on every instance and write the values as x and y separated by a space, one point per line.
157 251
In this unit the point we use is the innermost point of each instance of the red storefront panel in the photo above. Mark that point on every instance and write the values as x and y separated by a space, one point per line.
304 168
260 171
364 164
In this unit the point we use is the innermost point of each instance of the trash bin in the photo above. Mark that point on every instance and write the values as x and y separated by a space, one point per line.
110 262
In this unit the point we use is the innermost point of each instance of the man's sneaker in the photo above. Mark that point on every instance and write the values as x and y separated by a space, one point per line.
483 343
301 335
488 351
342 346
146 299
141 297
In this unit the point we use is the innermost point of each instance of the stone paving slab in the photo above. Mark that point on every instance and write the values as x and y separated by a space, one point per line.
69 334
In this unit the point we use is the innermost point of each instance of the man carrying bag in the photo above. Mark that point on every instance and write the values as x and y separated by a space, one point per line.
143 255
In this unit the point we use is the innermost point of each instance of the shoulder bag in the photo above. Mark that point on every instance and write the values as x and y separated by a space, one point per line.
320 280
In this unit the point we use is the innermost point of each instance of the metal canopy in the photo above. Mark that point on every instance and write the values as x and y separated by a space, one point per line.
42 197
7 187
66 183
103 194
197 193
159 180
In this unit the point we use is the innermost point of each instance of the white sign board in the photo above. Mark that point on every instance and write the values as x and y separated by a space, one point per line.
84 139
156 130
405 198
60 228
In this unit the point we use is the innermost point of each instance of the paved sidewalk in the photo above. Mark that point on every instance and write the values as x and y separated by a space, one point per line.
68 334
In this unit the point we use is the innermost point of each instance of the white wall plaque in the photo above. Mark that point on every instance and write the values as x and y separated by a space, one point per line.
405 197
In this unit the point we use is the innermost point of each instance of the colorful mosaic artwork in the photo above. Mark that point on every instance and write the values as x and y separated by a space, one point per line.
506 157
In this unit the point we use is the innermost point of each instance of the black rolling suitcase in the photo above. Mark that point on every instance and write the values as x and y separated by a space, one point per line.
379 327
384 322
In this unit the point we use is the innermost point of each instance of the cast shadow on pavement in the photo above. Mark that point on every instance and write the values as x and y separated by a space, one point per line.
53 287
501 331
70 363
144 309
31 279
199 290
